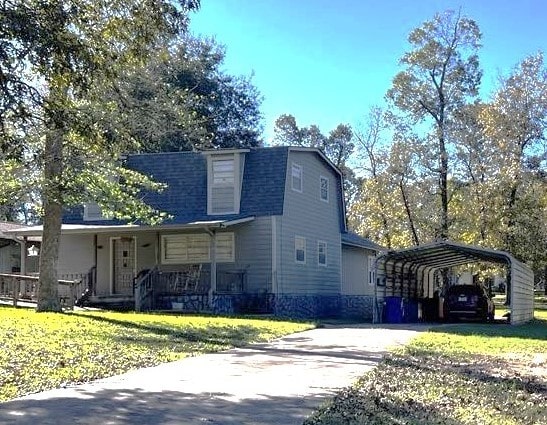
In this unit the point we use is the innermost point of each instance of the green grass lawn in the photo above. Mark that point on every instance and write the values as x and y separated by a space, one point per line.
454 375
40 351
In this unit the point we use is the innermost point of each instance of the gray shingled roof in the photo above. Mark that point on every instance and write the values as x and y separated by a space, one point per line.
185 198
354 239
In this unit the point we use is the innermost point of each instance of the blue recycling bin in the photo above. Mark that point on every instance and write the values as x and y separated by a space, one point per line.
393 309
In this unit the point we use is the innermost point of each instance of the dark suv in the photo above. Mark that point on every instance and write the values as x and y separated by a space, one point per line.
468 301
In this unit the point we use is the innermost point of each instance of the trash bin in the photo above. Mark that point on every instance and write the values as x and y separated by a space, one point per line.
393 310
410 311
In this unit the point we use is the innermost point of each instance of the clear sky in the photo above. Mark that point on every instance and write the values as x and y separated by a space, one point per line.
328 61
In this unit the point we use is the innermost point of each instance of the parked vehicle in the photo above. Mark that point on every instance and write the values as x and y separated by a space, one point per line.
470 302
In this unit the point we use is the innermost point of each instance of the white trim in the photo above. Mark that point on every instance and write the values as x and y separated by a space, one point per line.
295 166
301 239
235 157
326 254
321 178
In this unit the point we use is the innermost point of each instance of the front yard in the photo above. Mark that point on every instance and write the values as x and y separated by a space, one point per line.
40 351
455 374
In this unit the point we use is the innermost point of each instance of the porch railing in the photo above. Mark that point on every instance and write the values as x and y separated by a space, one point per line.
154 285
144 290
18 287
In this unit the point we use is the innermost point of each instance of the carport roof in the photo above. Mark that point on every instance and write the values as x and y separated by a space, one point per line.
442 254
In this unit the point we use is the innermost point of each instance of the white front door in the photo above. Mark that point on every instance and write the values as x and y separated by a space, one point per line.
123 265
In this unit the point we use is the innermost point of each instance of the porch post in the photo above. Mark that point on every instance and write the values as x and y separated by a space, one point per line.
213 287
23 265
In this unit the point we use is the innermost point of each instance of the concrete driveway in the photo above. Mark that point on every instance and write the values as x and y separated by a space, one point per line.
281 382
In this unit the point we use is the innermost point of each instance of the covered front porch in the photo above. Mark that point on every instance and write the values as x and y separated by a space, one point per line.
193 267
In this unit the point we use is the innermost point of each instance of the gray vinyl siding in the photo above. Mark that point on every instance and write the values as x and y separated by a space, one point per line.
253 253
355 277
10 257
76 254
306 215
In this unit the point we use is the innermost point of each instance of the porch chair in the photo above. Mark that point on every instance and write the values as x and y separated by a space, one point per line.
192 278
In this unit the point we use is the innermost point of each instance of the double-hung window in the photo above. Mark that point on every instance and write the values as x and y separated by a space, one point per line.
324 188
296 177
322 253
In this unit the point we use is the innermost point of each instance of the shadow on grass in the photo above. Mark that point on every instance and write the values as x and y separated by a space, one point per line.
228 336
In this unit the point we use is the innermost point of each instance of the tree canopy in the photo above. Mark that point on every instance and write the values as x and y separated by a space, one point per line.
57 60
182 99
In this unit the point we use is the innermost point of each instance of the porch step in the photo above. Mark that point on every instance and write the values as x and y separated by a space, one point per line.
111 302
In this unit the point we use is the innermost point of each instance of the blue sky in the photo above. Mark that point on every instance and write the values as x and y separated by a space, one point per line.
327 62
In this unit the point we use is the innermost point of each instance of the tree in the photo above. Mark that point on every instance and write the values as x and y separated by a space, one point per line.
337 146
442 73
515 122
182 100
57 59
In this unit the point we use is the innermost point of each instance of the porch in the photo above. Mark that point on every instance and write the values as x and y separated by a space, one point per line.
193 289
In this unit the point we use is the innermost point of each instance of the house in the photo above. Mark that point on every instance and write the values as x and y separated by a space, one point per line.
258 230
17 254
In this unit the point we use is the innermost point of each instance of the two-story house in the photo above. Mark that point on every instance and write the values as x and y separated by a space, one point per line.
251 230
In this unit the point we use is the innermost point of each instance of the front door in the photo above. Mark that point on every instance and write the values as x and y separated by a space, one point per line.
123 265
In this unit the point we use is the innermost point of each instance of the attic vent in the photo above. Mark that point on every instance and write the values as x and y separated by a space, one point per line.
92 212
224 184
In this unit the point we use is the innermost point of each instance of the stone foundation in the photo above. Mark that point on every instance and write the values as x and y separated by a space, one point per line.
294 306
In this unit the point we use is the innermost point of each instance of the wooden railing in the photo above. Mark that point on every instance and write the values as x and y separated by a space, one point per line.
144 290
25 288
154 284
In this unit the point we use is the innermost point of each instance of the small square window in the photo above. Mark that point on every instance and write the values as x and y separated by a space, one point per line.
324 188
300 249
321 253
296 177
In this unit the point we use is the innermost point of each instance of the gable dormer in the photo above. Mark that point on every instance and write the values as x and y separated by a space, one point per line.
224 179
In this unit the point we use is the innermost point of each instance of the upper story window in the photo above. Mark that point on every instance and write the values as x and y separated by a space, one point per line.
223 172
92 212
324 188
296 177
300 249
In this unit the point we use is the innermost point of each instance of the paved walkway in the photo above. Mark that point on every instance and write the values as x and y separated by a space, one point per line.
281 382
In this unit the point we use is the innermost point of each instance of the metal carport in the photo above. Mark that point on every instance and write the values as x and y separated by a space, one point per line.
412 273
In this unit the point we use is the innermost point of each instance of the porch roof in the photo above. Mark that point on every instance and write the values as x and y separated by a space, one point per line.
72 229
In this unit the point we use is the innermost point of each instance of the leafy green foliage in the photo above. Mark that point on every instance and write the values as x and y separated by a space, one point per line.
182 99
44 351
469 374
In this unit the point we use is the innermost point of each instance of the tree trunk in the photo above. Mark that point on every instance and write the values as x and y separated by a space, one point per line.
443 183
415 238
48 293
